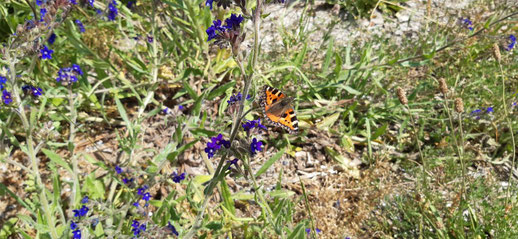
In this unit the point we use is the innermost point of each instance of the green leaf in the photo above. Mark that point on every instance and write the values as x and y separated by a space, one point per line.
172 156
327 58
8 228
214 225
94 188
281 193
228 203
123 114
4 190
269 163
328 121
197 105
379 131
352 91
220 90
57 160
298 232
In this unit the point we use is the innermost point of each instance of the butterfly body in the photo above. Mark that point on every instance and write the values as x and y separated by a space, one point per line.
278 110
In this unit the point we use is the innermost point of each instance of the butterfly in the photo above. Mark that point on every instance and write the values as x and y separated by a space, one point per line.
278 110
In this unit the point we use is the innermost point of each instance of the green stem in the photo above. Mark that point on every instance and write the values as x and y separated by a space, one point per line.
30 149
504 102
218 174
416 129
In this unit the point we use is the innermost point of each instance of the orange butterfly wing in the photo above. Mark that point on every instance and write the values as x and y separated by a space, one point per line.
286 119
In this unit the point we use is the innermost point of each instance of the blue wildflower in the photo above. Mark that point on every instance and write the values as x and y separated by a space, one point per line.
177 178
36 92
130 4
512 43
255 146
77 69
172 229
215 145
112 11
81 212
29 24
73 2
43 12
142 190
127 180
69 75
39 2
80 25
215 30
232 162
6 97
3 80
73 225
233 21
118 169
46 53
308 230
208 3
150 39
236 98
146 196
84 200
181 107
478 113
253 124
137 228
467 23
77 234
135 204
52 39
91 2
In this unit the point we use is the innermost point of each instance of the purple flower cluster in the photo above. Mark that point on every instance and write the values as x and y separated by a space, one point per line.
466 23
145 196
68 75
52 39
112 11
43 12
511 43
81 212
172 229
3 80
177 178
34 91
118 169
308 231
138 228
76 232
46 53
221 3
215 145
255 146
80 25
216 30
478 113
232 162
236 98
253 124
6 97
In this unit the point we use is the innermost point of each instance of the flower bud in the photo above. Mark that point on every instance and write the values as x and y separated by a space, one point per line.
402 96
459 106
